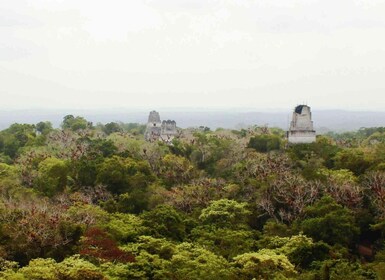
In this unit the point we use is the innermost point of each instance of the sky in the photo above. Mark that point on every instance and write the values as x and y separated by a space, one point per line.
262 54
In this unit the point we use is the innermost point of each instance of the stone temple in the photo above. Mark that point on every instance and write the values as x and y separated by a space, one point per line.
301 127
160 130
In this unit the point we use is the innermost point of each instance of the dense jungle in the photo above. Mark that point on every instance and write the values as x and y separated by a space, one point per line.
96 201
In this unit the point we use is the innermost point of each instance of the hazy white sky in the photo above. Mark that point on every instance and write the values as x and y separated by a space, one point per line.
198 53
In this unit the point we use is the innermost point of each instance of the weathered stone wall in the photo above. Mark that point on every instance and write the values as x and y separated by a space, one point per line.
154 127
301 127
154 117
156 130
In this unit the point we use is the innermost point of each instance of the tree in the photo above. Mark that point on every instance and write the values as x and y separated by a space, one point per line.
352 159
286 198
264 264
52 176
265 143
73 268
224 242
122 175
44 127
301 250
33 228
75 123
96 243
16 137
175 170
374 184
342 269
111 128
342 186
125 227
197 195
329 222
192 262
165 221
226 213
40 269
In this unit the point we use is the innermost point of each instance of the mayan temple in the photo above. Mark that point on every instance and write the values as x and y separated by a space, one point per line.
301 127
159 130
154 127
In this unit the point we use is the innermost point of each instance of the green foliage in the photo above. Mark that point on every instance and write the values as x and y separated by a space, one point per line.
125 227
124 174
76 268
111 128
300 249
73 268
264 264
8 176
175 170
129 178
311 157
165 221
341 270
40 269
75 123
191 262
52 176
226 213
106 148
225 242
265 143
44 127
352 159
330 222
191 209
16 137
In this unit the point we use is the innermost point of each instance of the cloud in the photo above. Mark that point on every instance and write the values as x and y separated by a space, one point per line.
235 52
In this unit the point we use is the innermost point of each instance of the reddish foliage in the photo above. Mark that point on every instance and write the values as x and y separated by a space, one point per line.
98 244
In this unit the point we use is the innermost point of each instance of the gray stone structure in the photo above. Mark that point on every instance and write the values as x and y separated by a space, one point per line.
156 130
301 127
169 130
154 127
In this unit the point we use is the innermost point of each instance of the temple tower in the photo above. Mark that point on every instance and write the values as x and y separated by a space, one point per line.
154 127
301 127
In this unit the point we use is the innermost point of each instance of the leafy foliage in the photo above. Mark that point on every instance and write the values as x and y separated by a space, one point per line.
99 202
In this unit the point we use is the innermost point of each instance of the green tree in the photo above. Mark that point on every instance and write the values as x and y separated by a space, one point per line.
52 176
342 269
40 269
165 221
352 159
224 242
265 143
125 227
76 268
191 262
175 170
264 264
44 127
226 213
16 137
329 222
129 178
75 123
301 250
124 174
111 128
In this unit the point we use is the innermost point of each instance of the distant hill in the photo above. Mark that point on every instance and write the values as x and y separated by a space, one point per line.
324 120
